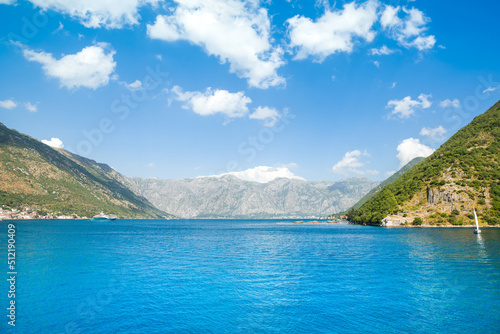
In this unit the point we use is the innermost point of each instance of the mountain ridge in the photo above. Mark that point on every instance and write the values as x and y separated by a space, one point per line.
231 197
36 176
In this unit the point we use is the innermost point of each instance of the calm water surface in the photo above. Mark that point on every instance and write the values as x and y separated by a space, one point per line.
250 276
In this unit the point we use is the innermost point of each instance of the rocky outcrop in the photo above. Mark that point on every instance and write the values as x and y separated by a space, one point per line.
436 196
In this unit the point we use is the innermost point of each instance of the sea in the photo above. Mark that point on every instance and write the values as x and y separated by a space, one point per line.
247 276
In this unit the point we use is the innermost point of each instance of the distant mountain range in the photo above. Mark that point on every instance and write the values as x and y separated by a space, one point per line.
231 197
463 174
50 180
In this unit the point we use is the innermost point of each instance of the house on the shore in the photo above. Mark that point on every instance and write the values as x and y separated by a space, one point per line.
392 221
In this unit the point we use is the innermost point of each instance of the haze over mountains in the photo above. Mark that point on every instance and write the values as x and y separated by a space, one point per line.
231 197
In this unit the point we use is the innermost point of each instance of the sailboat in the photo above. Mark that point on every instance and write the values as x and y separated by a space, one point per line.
476 230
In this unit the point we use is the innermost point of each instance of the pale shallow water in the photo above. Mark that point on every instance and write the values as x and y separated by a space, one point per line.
250 276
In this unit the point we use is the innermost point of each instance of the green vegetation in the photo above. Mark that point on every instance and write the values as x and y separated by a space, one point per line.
417 221
463 173
49 180
388 181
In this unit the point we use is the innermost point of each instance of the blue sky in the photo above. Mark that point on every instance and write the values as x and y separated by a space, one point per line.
319 90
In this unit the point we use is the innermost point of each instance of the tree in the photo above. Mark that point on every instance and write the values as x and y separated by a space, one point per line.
417 221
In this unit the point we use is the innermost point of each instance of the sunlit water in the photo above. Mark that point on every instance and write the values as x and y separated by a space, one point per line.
250 276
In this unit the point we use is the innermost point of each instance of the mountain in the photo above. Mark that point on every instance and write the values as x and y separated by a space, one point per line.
51 180
388 181
231 197
464 173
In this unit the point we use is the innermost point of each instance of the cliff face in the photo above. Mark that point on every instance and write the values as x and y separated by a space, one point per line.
231 197
463 174
438 197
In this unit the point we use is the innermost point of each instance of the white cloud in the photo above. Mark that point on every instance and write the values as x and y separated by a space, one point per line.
393 84
135 84
234 31
291 165
424 98
412 148
450 103
8 104
262 174
269 115
31 107
376 63
351 162
333 32
434 133
390 17
382 51
92 67
151 165
212 102
54 142
390 173
406 107
98 13
7 2
410 30
491 89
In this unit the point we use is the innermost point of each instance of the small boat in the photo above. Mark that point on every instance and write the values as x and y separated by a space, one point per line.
101 217
476 230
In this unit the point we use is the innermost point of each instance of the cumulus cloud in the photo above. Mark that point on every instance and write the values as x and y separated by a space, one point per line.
263 174
54 142
211 102
98 13
237 32
92 67
434 133
410 30
351 162
8 104
382 51
7 2
269 115
412 148
31 107
406 107
449 103
333 32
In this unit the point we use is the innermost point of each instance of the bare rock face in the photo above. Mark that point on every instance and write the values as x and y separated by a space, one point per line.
230 197
436 196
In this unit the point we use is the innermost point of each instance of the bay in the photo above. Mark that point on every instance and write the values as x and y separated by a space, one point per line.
250 276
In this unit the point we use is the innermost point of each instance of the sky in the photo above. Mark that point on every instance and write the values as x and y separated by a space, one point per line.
311 90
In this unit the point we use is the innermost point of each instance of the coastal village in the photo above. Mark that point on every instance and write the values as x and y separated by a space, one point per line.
28 213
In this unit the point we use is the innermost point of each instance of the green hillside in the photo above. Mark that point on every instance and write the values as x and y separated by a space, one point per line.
50 180
444 188
388 181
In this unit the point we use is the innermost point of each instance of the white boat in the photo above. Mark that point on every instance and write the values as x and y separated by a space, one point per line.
102 216
476 230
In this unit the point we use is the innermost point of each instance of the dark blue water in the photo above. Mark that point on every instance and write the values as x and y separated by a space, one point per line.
209 276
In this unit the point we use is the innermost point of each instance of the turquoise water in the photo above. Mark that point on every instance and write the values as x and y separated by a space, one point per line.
250 276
